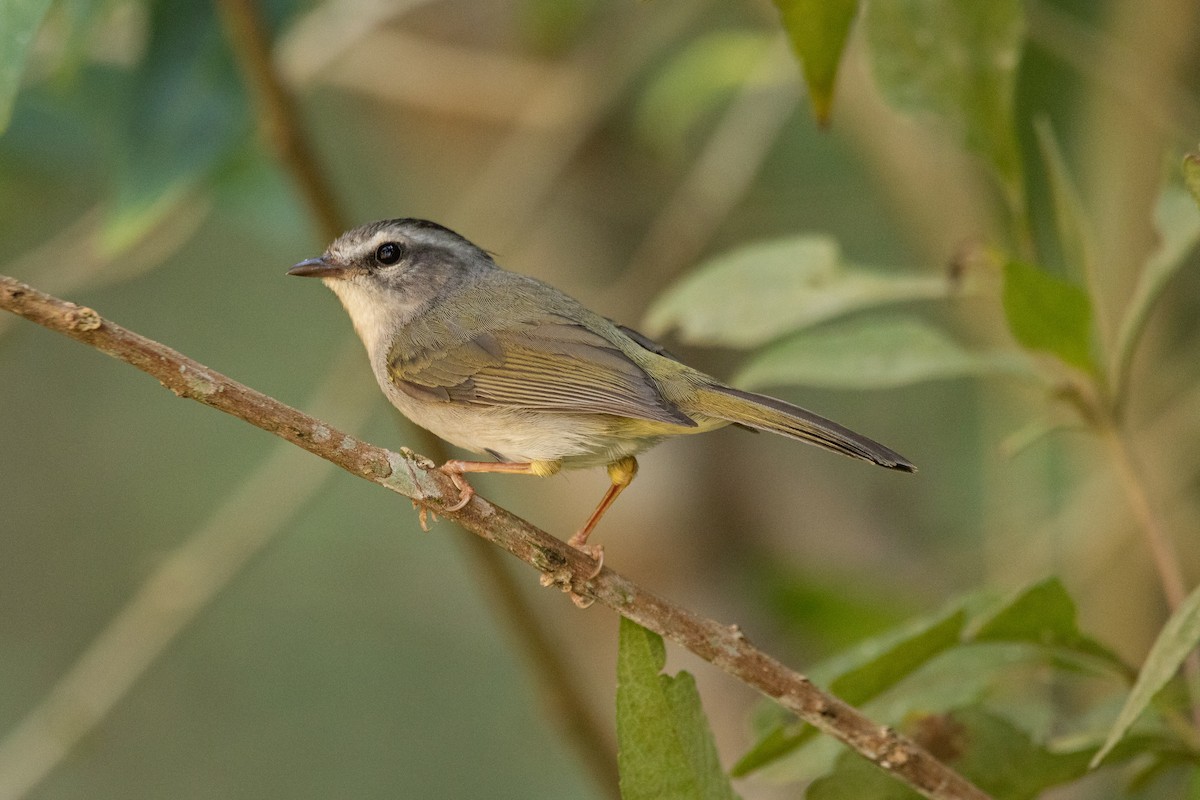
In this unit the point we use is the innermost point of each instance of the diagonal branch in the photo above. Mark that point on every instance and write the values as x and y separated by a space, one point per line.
415 477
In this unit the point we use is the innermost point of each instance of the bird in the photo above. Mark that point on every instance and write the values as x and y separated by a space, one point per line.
504 365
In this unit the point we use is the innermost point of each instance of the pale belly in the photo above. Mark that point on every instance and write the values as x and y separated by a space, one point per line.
576 440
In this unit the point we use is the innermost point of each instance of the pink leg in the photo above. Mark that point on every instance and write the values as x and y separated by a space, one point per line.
622 473
456 468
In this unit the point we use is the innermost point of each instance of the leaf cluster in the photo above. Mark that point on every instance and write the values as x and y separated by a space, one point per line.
815 317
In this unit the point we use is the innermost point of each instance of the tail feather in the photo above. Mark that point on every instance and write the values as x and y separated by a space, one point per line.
768 414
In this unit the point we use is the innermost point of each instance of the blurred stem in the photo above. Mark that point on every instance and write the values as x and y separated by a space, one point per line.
720 175
1158 542
559 691
281 124
1166 560
512 189
1103 59
1096 411
1142 61
1021 227
278 116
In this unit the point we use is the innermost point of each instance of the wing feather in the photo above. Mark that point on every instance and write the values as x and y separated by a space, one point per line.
550 365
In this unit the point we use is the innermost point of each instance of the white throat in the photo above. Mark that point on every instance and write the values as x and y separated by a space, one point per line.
377 316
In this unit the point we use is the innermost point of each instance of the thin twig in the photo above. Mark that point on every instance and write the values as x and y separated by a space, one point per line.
559 686
415 477
1162 549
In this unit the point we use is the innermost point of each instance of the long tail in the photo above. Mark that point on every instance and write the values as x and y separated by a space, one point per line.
768 414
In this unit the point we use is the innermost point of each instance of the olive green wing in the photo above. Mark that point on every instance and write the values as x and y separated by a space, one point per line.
552 365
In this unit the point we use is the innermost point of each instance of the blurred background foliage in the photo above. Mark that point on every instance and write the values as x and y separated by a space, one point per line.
961 228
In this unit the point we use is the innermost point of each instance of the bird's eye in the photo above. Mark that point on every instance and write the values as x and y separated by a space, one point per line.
388 253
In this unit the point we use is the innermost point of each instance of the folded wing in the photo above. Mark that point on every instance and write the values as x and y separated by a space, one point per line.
550 365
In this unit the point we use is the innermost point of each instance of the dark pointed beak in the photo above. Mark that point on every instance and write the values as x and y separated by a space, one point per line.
317 268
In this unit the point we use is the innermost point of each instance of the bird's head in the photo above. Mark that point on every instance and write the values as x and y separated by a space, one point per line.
386 273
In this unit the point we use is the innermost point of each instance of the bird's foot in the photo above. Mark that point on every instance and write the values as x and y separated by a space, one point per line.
563 581
563 578
424 513
592 551
465 490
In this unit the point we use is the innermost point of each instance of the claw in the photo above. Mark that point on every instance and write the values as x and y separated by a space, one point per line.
592 551
465 490
423 515
596 551
562 579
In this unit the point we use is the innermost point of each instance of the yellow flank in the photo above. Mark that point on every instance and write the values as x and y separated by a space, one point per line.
623 471
544 469
628 427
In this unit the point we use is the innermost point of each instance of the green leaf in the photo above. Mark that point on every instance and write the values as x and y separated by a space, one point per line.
19 22
1191 175
762 291
959 677
1033 432
188 117
817 30
855 778
874 353
1003 761
665 747
1178 223
1069 216
1158 766
1179 637
826 608
1049 314
862 673
963 675
1043 614
885 661
956 59
771 746
992 753
551 27
693 83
